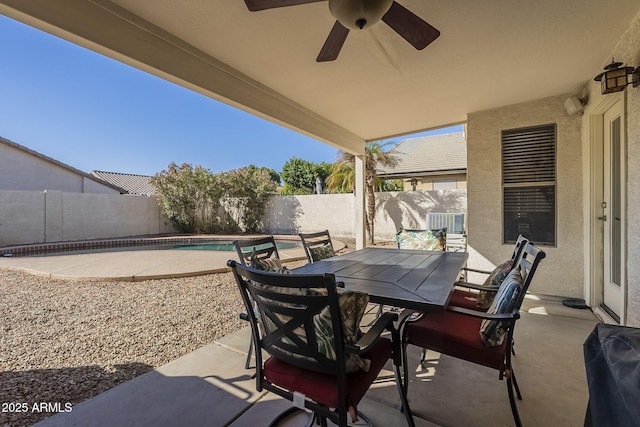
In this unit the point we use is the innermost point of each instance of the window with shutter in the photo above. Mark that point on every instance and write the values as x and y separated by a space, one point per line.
529 184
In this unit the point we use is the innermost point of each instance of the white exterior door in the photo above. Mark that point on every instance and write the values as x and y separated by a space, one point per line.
613 211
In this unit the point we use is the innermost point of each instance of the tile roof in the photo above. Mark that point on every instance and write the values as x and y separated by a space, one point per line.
130 183
429 155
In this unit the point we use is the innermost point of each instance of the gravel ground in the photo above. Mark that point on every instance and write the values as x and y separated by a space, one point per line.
66 341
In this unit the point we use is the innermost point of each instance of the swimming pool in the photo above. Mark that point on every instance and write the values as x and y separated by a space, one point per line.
144 244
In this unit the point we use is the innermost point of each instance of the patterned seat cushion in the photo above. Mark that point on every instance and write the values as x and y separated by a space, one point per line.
430 240
321 252
496 277
266 264
492 331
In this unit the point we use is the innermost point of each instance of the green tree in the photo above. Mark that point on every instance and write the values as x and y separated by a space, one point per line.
247 193
273 175
197 201
300 175
188 196
343 177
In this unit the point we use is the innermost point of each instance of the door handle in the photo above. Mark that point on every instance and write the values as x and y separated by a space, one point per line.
602 218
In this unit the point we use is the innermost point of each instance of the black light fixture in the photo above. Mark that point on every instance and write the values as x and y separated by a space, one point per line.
414 184
616 77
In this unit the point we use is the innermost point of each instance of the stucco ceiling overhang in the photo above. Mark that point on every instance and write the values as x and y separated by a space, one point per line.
489 54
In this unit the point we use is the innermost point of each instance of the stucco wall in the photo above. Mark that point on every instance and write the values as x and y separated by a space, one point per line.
561 273
20 170
52 216
395 209
426 182
627 50
630 48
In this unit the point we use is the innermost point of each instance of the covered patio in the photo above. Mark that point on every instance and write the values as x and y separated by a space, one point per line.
496 67
211 387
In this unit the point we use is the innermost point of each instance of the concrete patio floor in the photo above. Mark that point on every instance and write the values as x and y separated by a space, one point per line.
210 387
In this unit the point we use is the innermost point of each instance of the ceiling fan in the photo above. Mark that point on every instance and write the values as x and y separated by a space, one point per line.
359 15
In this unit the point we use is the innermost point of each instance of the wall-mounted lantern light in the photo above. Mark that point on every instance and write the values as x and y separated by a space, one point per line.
616 77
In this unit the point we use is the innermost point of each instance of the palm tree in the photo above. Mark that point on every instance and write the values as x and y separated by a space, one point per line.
342 176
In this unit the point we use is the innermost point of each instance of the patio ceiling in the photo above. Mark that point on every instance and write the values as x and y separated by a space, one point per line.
489 54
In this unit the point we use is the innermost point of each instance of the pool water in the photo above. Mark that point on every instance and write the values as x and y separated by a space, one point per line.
226 246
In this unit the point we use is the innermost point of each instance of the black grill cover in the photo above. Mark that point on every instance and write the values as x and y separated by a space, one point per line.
612 360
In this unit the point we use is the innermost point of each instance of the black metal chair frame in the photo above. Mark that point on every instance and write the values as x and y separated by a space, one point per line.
517 250
273 305
314 240
528 260
268 249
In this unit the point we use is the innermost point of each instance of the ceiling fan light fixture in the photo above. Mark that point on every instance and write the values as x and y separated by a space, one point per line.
359 14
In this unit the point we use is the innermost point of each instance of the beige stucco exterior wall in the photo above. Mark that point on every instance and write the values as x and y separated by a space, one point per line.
561 273
53 216
20 170
627 50
426 182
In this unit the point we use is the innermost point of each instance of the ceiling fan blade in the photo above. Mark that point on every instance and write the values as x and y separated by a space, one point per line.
333 44
410 26
256 5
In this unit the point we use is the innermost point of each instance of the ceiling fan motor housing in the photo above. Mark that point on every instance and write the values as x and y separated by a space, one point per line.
359 14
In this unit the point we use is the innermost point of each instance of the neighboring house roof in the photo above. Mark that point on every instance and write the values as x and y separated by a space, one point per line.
429 155
55 162
129 183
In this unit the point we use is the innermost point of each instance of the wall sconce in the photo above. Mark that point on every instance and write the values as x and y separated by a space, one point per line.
414 183
616 77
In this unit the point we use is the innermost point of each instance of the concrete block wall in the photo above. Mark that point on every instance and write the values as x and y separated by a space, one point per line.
396 209
54 216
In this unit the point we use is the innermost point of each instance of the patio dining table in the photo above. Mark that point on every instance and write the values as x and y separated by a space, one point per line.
413 279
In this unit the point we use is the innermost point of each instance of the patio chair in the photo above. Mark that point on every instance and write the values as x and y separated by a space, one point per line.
479 296
317 246
484 338
260 248
262 253
318 358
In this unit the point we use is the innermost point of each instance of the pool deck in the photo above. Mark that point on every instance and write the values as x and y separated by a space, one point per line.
134 265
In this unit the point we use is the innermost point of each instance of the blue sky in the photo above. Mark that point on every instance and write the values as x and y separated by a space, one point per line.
94 113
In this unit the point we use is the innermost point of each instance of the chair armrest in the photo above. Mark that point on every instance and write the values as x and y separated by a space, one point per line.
475 270
515 314
383 323
477 287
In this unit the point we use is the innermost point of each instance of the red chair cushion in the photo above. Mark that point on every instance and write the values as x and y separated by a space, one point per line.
456 335
323 388
465 299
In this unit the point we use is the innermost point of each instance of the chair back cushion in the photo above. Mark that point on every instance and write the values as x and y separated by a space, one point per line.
430 240
492 331
321 252
266 264
352 308
496 278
